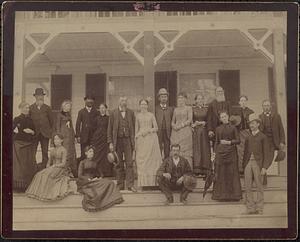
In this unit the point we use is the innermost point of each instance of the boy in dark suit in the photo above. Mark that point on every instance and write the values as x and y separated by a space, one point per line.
86 124
164 114
175 173
271 126
41 115
255 163
120 136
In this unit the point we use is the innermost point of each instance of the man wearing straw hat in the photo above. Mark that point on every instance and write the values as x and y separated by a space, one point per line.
163 114
41 115
255 163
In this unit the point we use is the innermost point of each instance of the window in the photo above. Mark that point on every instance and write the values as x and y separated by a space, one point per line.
61 89
96 87
230 81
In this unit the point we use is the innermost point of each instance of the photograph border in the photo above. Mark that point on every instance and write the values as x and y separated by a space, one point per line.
8 24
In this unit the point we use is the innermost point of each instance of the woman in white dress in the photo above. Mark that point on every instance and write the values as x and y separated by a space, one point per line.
148 156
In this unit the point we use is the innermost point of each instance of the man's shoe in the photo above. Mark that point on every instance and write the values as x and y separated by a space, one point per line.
251 212
183 201
121 187
260 212
133 189
169 200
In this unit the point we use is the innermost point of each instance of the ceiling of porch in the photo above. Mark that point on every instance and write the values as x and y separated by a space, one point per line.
215 44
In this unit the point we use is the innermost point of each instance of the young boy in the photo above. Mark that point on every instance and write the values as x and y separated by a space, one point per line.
255 163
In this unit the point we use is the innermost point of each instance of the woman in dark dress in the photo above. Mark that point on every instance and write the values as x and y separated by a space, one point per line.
64 126
99 142
243 128
227 185
99 193
201 147
24 162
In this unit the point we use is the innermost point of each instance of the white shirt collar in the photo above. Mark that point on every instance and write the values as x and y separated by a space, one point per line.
88 108
255 132
163 105
176 161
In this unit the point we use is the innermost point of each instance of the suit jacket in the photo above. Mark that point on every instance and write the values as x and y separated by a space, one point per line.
213 117
113 126
258 146
86 124
277 128
42 119
168 166
168 117
244 119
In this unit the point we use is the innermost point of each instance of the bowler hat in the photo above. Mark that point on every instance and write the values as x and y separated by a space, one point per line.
235 120
280 155
89 97
38 92
162 91
253 117
189 182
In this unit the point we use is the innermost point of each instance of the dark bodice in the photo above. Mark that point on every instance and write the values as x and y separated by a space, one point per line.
102 123
87 169
61 122
227 132
199 113
23 122
244 114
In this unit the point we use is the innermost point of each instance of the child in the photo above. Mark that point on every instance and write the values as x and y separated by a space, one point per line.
52 183
255 165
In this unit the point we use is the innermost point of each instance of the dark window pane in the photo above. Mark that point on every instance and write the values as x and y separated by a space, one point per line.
96 87
230 81
61 89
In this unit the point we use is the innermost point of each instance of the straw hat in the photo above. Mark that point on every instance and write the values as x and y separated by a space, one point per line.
253 117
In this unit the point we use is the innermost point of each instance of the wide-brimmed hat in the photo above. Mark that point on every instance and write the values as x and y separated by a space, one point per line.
189 182
235 120
113 158
39 91
253 117
89 97
280 156
162 91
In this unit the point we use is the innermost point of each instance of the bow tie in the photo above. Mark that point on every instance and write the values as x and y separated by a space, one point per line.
163 107
268 114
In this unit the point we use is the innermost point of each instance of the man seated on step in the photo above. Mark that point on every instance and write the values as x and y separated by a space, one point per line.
175 173
255 163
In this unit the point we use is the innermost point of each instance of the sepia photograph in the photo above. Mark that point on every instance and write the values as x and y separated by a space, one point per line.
149 119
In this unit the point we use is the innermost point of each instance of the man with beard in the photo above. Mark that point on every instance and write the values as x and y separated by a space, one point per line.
86 124
271 126
120 136
214 109
41 114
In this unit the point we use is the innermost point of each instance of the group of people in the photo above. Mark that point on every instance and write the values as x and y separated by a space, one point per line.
170 147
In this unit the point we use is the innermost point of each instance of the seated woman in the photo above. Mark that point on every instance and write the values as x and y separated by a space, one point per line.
99 193
52 183
227 185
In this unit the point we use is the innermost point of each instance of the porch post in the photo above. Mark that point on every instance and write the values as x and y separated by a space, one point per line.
280 85
149 67
18 82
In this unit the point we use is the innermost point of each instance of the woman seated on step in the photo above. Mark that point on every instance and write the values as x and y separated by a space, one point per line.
99 193
53 182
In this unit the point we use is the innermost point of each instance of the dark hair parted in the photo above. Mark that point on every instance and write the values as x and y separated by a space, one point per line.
222 111
103 104
198 95
143 100
244 96
182 94
89 147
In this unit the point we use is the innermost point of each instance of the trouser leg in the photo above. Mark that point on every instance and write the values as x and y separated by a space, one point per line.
120 168
248 176
166 187
259 186
128 162
44 146
166 142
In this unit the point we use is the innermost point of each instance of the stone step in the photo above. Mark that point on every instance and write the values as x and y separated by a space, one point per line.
153 197
135 212
213 222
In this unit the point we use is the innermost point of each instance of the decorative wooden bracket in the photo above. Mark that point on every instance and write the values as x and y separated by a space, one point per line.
258 44
39 48
129 46
168 46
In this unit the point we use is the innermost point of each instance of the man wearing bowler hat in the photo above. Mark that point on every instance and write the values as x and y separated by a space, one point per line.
175 173
86 124
164 114
41 115
255 163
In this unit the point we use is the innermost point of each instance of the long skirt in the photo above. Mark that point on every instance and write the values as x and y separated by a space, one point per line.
99 141
240 148
98 194
148 159
50 184
184 138
24 164
227 185
201 151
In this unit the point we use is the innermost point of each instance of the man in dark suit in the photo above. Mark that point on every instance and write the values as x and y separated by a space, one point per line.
174 174
86 124
120 136
214 109
255 163
164 114
271 126
41 115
